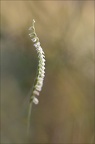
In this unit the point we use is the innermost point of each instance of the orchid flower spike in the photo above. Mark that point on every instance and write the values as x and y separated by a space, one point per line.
41 65
37 87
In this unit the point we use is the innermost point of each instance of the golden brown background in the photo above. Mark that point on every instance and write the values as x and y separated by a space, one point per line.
65 113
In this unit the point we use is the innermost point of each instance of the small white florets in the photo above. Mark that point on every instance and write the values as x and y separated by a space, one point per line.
35 100
41 65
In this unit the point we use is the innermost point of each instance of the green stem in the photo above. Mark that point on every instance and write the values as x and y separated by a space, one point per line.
29 117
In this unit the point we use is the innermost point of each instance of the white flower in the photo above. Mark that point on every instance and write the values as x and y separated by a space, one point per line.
43 75
39 50
42 68
32 34
35 92
35 100
39 78
42 71
41 64
34 39
40 83
37 44
38 87
42 60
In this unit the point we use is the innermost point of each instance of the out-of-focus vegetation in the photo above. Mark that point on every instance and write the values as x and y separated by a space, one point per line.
65 113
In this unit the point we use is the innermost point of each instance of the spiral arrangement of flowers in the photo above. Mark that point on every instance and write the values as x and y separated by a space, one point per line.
37 87
41 65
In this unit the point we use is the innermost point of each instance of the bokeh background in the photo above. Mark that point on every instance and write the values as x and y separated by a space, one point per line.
65 113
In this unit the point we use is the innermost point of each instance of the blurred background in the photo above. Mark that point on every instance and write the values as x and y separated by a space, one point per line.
65 113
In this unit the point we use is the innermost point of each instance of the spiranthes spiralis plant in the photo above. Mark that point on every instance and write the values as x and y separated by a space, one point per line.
37 87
